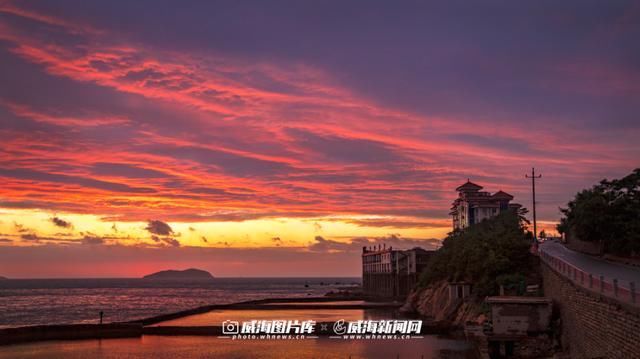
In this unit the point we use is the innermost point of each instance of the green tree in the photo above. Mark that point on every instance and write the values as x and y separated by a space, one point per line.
481 253
608 213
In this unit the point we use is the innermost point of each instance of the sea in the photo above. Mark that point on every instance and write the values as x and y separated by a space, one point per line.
26 302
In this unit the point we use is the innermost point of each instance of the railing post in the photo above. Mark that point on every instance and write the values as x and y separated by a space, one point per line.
632 290
582 278
590 281
615 287
601 284
575 274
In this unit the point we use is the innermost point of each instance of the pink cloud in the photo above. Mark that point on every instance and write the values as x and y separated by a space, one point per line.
289 142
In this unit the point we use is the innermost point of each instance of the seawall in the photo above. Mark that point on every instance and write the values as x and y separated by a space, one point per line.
593 326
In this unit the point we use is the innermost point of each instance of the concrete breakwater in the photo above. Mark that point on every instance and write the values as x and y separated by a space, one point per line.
141 327
309 303
68 332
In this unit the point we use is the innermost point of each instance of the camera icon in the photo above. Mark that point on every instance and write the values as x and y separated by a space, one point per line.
230 327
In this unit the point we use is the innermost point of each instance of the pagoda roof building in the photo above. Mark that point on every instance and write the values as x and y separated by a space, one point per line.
473 205
469 187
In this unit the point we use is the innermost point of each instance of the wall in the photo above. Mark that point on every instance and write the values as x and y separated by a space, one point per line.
594 248
592 326
513 318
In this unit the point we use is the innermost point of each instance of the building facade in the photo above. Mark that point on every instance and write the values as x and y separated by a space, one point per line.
473 205
391 273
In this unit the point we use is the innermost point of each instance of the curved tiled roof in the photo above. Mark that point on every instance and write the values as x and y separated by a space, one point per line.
469 186
501 195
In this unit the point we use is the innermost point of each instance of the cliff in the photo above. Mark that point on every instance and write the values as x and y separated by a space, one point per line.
178 274
435 304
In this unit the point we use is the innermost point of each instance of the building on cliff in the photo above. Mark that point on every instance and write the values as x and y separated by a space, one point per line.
391 273
473 205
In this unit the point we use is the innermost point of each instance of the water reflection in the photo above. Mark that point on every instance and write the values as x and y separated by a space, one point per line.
210 347
216 317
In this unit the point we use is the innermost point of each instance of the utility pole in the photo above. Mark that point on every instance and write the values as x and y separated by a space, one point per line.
533 186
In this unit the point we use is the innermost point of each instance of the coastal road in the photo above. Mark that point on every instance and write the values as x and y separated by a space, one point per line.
595 266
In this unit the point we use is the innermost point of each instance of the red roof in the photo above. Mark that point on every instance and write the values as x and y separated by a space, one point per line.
502 195
469 186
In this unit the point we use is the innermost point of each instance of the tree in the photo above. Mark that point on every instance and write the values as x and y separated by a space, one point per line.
479 254
608 213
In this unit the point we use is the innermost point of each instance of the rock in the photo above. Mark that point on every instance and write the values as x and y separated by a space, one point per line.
433 302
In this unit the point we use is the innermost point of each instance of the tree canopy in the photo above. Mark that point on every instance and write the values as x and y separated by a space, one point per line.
609 213
483 253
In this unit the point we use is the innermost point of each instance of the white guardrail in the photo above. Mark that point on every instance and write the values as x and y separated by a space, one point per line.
608 287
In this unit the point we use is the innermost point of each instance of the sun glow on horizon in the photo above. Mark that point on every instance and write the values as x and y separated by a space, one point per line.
29 227
126 146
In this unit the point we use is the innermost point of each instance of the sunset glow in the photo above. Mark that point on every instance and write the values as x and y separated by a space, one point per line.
282 145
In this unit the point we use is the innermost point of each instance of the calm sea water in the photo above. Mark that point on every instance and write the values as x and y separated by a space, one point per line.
67 301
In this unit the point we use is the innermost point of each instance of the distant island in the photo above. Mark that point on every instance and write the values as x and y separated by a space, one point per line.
3 278
191 273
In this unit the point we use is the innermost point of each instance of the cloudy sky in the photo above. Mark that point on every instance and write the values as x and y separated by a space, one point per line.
277 138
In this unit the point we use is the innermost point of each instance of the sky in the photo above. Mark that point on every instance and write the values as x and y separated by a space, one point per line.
277 138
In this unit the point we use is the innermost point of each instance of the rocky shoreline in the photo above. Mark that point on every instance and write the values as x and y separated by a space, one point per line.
435 305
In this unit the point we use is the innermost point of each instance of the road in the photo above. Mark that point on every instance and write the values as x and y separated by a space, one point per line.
595 266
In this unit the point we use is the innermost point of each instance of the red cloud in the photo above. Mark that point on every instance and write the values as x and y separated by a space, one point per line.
215 137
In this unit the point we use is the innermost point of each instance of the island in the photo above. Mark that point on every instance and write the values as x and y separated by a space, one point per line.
172 274
3 278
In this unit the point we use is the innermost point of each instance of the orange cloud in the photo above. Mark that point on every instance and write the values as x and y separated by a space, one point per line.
215 137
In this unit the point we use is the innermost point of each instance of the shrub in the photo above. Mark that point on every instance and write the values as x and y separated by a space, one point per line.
496 247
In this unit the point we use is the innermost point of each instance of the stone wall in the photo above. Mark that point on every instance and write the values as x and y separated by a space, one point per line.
593 248
592 326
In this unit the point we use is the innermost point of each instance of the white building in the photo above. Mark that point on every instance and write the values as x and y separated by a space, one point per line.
472 205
